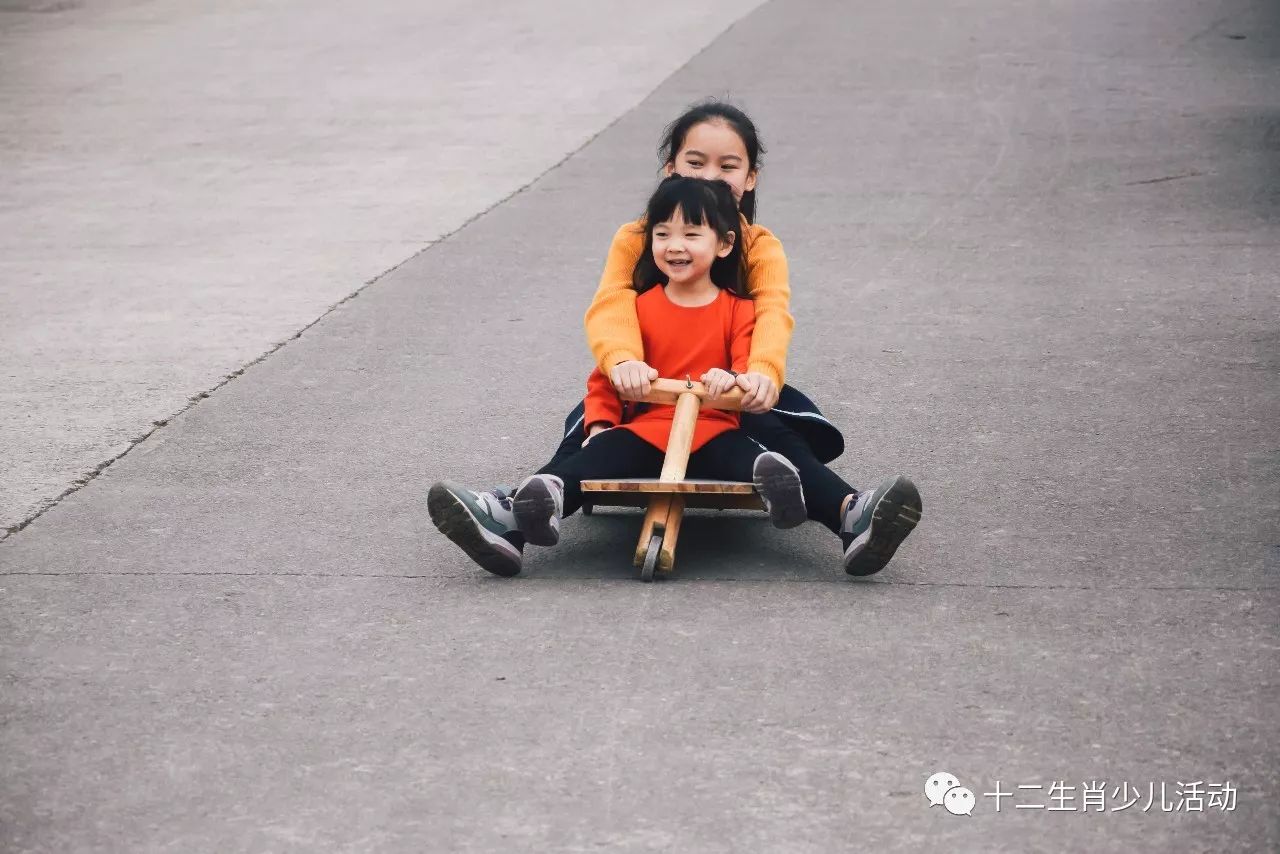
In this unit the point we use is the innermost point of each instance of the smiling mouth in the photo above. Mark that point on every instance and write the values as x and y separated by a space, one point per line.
678 264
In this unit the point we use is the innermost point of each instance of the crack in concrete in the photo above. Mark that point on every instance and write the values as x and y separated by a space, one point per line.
1165 178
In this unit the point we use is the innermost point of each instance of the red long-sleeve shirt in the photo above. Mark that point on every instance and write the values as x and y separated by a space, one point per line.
679 342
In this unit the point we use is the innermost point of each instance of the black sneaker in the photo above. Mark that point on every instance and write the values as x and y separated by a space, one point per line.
876 524
479 523
538 506
779 484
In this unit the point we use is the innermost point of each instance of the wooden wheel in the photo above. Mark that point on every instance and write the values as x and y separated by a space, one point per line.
651 558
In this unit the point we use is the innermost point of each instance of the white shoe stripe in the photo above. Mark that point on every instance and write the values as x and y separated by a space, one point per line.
814 415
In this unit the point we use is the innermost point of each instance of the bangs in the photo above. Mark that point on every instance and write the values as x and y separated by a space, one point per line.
695 201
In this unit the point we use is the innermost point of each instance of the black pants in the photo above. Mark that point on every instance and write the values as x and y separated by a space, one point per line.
623 454
824 490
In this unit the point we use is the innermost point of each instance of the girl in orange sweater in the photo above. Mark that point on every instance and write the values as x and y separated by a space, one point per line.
716 140
694 321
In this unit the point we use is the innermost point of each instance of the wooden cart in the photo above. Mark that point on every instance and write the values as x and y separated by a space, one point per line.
667 497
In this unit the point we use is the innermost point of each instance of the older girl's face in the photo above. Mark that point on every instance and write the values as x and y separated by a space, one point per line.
713 150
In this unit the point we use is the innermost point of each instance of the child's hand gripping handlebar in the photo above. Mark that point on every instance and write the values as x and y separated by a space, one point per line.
669 392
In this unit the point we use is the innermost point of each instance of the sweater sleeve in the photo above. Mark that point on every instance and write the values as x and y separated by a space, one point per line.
613 331
602 402
767 281
742 324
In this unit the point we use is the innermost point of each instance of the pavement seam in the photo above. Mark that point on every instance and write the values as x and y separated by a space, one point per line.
84 480
601 580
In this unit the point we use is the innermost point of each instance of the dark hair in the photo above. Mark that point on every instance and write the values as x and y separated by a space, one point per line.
700 202
716 111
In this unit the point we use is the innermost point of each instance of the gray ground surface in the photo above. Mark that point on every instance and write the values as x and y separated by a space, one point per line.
1033 251
186 185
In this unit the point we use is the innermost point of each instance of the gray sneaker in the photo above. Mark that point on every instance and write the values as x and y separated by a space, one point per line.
876 524
779 484
538 506
480 523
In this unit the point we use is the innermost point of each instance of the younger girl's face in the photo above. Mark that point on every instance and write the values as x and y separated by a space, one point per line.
685 252
713 150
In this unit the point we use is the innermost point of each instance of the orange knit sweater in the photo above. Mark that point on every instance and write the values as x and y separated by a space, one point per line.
613 332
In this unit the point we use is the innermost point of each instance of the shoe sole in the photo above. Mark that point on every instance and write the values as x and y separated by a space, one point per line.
455 520
894 516
535 509
781 483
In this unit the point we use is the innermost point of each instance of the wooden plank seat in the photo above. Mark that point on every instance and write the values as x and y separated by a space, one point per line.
700 494
653 484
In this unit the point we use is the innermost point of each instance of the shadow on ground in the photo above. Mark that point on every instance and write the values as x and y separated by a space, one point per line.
714 545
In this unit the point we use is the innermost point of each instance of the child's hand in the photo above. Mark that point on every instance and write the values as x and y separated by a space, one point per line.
718 381
632 378
596 427
761 392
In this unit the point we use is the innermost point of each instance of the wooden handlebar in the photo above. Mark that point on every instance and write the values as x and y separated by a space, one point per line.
669 391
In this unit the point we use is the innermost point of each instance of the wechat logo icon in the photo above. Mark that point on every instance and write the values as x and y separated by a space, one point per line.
943 789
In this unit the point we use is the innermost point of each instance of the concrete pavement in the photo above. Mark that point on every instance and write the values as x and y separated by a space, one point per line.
186 186
1033 255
